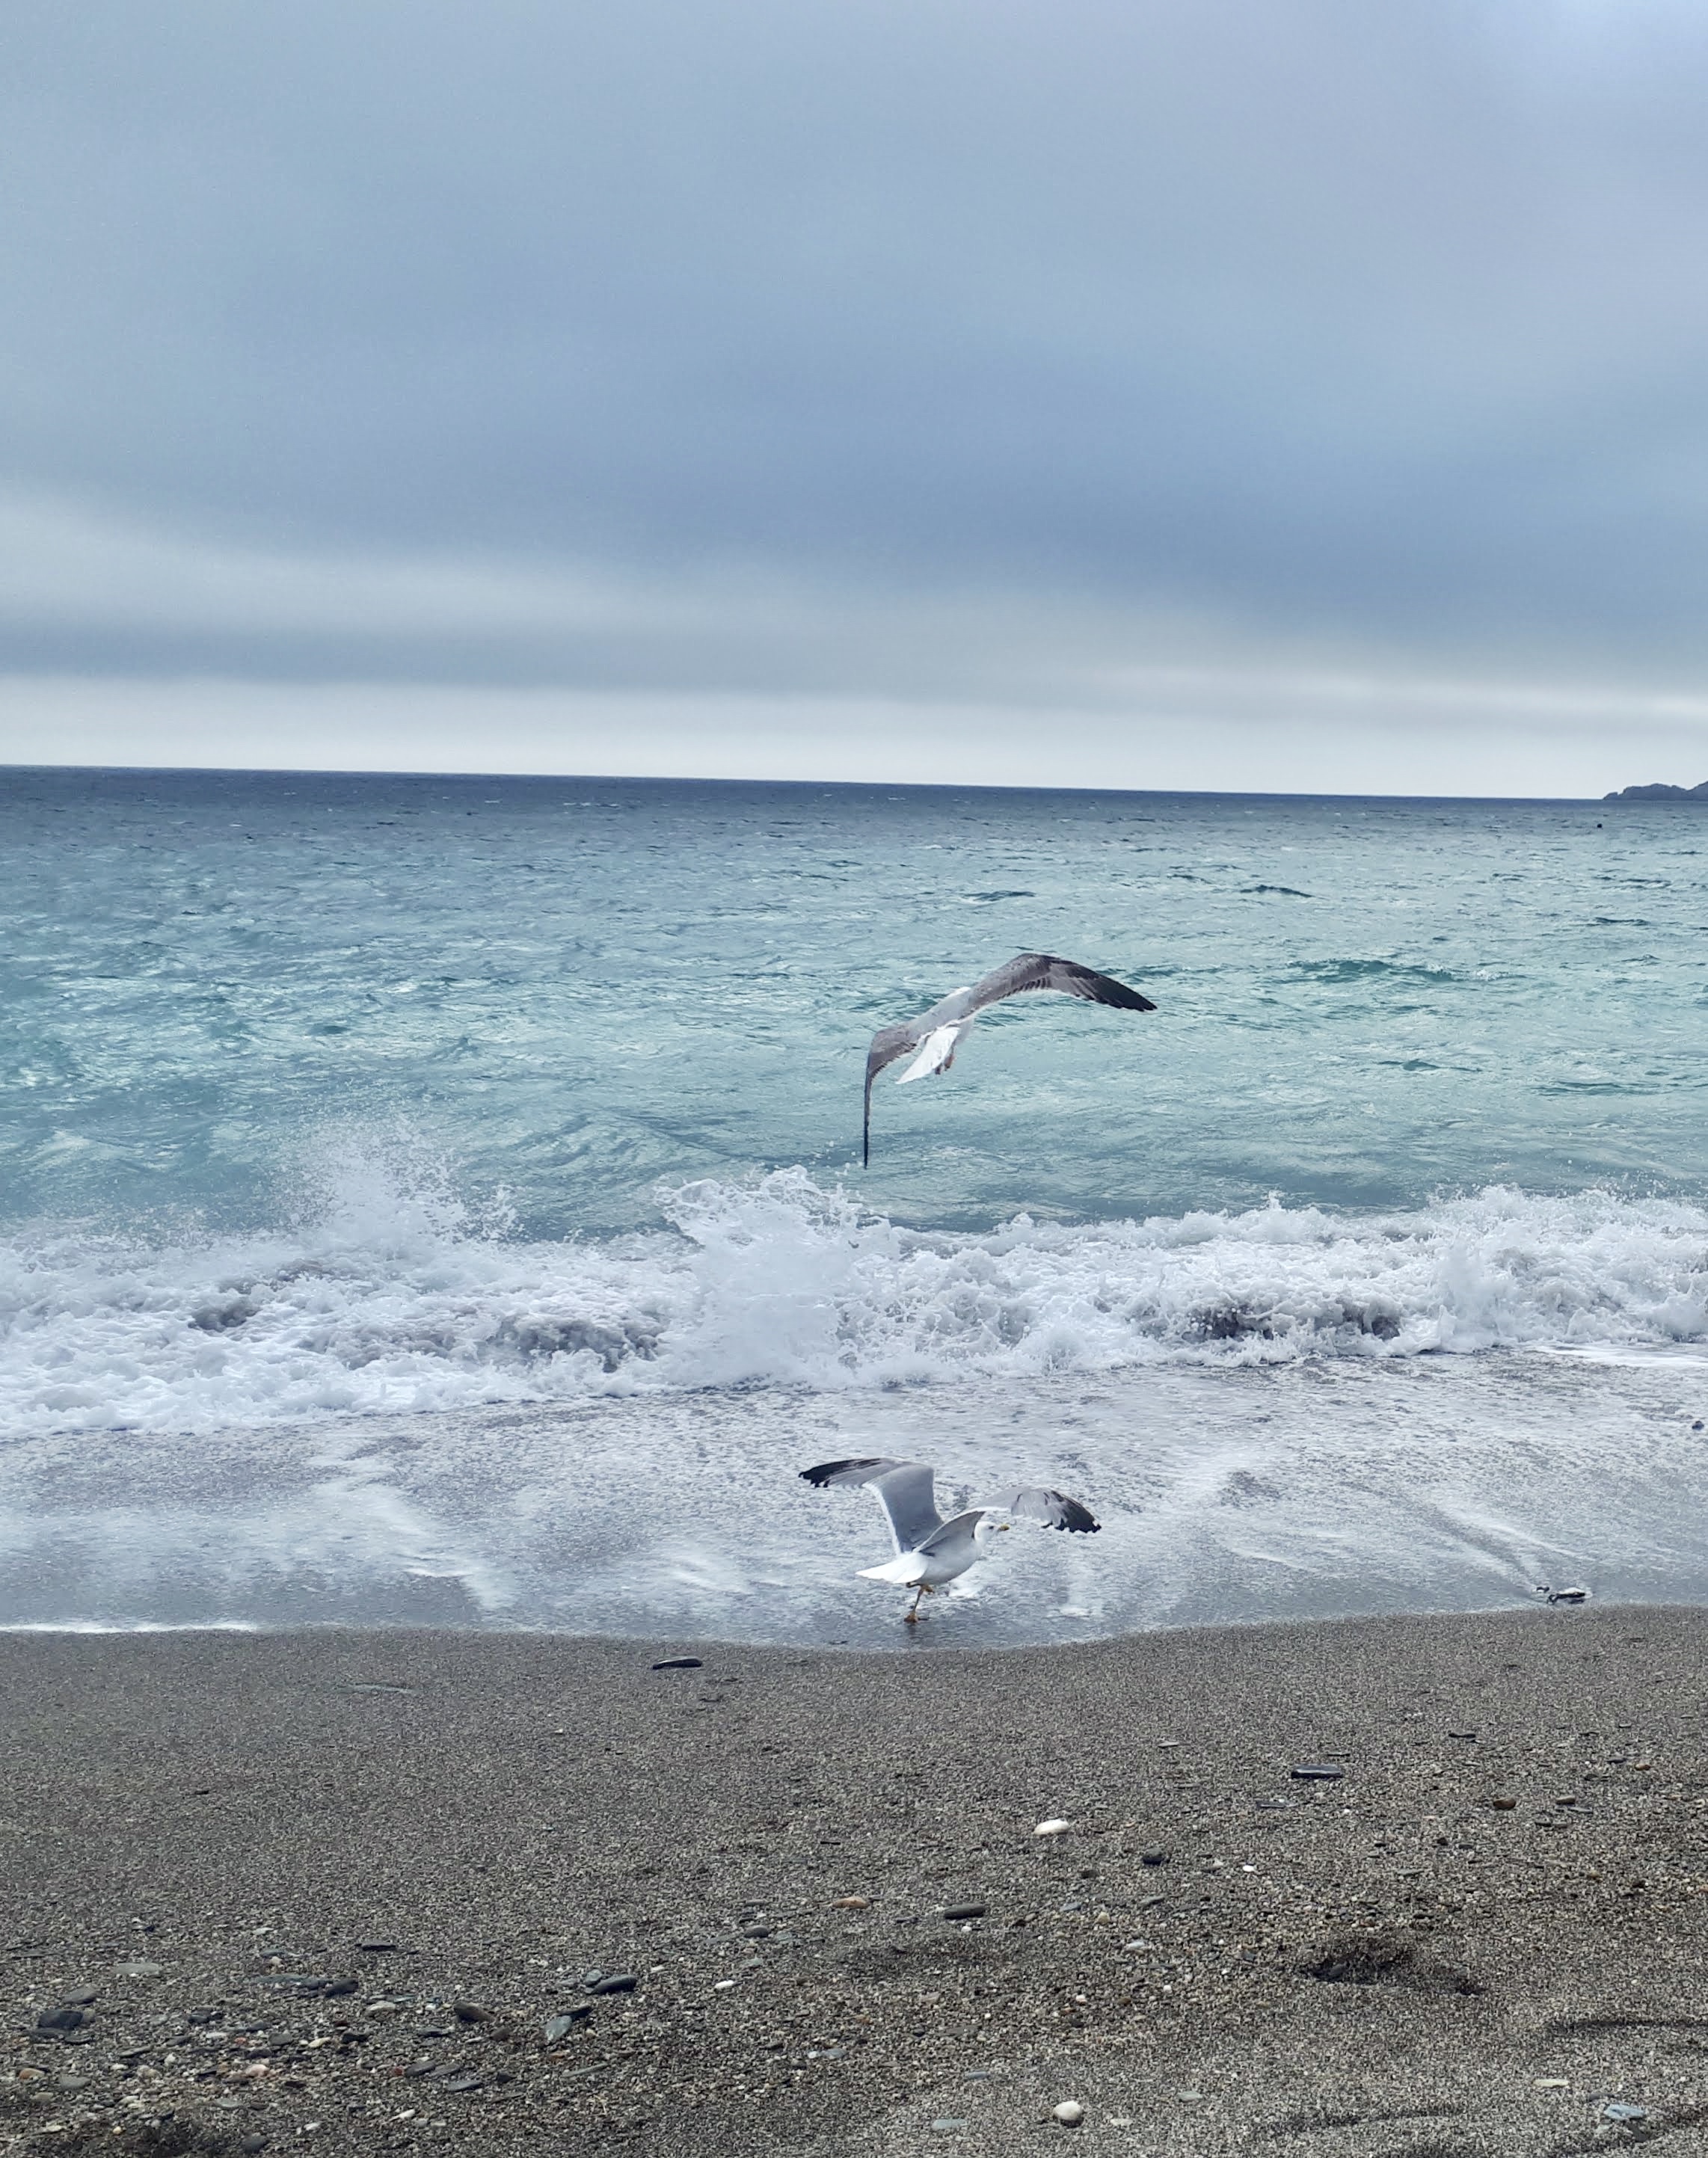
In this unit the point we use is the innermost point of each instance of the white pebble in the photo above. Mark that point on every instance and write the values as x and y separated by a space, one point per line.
1070 2112
1052 1828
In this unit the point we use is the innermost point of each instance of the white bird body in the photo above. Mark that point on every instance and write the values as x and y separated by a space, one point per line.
933 1039
943 1559
930 1551
938 1050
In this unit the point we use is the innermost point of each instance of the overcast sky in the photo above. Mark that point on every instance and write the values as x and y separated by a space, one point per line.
1291 393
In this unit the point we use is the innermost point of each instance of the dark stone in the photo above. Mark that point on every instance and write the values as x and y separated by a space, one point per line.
620 1981
336 1986
471 2011
1317 1772
1154 1857
60 2020
377 1947
465 2082
83 1999
963 1910
252 2143
679 1664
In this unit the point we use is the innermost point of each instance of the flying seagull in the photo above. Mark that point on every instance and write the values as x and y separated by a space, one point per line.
937 1033
930 1550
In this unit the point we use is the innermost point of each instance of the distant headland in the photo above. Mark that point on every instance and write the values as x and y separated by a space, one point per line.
1659 792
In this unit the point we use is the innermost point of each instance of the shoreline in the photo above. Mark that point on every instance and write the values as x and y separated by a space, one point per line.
200 1828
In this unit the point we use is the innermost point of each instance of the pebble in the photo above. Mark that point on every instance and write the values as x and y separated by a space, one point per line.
964 1911
384 2007
471 2011
141 1969
1070 2112
460 2084
1317 1772
1154 1857
1616 2109
377 1947
559 2027
61 2019
620 1981
1504 1805
948 2125
85 1999
253 2143
1052 1828
679 1664
844 1904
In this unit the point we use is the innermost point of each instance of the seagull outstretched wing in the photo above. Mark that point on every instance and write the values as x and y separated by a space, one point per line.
905 1490
1042 970
1053 1510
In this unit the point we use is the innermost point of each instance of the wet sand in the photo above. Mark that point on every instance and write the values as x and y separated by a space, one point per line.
342 1891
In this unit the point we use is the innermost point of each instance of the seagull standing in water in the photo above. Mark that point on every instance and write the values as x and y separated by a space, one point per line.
937 1033
930 1550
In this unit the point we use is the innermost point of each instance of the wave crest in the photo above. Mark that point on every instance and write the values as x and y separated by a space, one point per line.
392 1304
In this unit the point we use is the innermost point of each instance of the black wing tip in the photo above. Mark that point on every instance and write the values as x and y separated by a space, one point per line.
1077 1520
1112 992
826 1472
1104 988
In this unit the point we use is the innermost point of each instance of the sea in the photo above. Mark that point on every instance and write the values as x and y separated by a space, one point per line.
437 1201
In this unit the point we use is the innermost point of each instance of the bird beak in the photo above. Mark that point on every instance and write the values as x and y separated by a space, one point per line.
1003 1527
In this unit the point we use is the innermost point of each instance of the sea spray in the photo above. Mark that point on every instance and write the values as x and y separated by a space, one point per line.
395 1304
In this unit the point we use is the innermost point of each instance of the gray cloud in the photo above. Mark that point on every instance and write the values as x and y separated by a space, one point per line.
976 353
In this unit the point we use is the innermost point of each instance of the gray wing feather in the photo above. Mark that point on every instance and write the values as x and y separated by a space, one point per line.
1043 970
960 1529
1053 1510
904 1490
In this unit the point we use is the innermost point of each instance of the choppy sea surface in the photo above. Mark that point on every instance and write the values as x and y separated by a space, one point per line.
438 1200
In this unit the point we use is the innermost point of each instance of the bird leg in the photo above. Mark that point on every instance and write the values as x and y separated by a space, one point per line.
910 1617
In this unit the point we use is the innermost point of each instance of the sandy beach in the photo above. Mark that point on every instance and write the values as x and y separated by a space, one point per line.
348 1892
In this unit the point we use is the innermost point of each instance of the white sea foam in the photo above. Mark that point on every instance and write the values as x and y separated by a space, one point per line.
395 1299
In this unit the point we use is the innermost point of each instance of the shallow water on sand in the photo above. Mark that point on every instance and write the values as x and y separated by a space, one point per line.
428 1199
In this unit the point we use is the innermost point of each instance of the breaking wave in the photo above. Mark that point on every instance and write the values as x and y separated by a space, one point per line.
398 1300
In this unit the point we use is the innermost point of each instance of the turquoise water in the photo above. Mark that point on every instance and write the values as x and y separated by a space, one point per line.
346 1114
